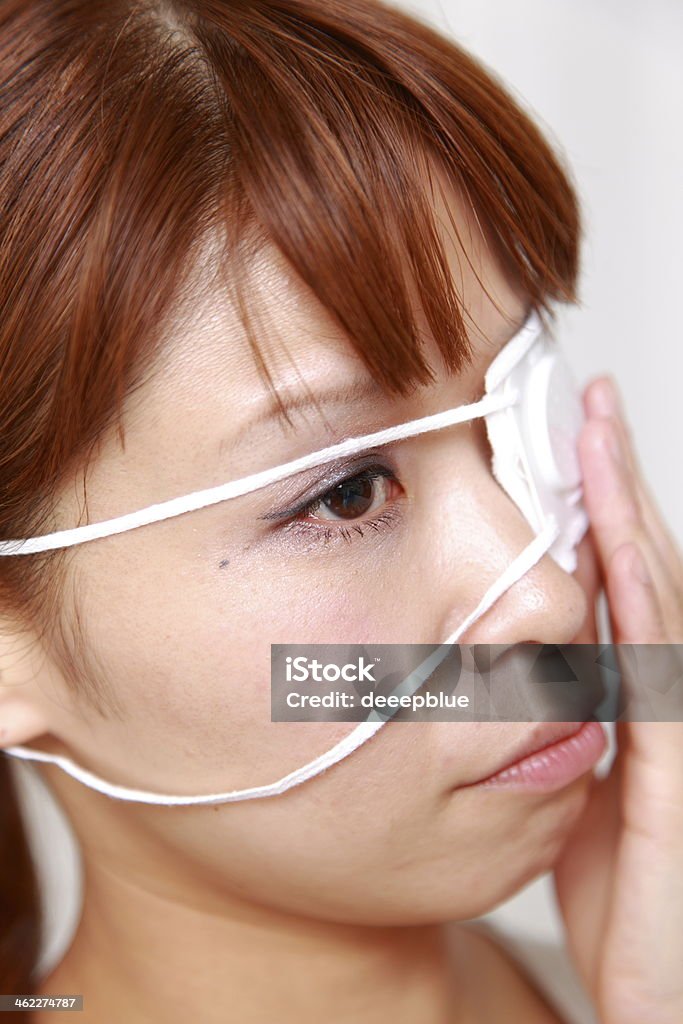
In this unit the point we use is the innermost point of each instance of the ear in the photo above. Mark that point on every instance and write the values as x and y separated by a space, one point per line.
23 708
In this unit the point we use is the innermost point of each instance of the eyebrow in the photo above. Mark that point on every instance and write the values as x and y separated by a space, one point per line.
341 394
354 391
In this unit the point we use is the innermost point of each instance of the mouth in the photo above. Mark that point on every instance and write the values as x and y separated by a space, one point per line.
550 757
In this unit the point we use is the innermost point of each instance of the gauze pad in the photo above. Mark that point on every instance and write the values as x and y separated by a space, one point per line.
534 441
533 429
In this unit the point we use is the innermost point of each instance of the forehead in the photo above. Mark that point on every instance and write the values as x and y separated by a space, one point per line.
299 341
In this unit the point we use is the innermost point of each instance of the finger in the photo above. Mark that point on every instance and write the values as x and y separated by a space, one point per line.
602 400
652 671
634 605
611 500
611 505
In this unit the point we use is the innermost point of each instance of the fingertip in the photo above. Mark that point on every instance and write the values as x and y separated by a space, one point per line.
601 398
597 437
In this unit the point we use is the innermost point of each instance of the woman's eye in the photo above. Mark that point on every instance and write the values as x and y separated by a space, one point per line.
366 500
354 498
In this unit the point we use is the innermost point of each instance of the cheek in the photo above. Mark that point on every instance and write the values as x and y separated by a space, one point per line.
189 661
191 664
315 599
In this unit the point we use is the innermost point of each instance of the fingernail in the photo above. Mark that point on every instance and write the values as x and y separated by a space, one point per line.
639 567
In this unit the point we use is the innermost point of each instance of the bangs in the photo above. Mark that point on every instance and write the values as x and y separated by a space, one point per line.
336 118
315 126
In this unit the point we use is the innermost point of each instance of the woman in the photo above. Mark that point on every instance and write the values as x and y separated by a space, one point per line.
210 207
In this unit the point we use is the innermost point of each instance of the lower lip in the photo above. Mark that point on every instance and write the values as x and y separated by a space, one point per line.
554 766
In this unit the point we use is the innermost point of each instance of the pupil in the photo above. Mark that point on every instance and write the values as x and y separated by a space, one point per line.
350 499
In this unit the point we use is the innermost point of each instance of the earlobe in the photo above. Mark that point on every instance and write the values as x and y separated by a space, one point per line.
21 716
20 720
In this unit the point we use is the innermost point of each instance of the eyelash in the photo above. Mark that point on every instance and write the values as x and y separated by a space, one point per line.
301 525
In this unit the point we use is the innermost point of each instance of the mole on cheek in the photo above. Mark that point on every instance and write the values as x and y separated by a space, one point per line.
223 563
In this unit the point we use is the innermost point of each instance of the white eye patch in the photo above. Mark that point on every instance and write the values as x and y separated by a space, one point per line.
533 416
534 440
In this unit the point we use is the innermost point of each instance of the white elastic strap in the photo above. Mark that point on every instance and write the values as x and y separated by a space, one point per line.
247 484
364 731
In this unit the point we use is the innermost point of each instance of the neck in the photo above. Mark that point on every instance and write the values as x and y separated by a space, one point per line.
145 953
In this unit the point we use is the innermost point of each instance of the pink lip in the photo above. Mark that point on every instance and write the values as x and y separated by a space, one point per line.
553 756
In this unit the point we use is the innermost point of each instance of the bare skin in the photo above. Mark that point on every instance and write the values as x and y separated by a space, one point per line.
478 981
333 901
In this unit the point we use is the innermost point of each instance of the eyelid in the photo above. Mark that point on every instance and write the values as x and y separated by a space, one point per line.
346 471
306 529
369 474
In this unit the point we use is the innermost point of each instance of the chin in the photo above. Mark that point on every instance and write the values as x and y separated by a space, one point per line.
537 846
515 851
502 848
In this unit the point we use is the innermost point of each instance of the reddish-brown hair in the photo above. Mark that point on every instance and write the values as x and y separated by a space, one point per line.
133 130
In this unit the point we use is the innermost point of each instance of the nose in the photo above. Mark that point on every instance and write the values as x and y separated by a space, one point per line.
477 541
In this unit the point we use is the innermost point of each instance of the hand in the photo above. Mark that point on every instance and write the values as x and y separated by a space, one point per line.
619 878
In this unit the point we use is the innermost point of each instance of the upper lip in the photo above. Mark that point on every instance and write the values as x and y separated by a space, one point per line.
537 739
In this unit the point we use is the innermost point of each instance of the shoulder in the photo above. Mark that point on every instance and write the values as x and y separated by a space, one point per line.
497 985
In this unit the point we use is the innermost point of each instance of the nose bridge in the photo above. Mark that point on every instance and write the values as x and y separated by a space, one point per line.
478 541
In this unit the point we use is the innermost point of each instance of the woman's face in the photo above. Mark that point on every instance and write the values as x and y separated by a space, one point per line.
178 618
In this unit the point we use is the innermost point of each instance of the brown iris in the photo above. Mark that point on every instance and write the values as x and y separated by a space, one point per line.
351 498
